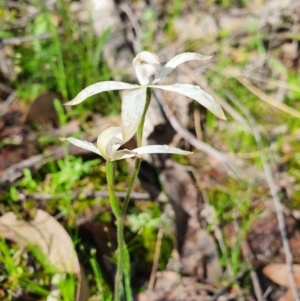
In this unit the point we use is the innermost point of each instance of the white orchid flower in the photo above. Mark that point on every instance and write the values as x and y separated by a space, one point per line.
133 103
110 140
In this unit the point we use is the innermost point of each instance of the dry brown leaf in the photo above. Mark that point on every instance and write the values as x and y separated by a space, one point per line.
45 232
42 110
287 296
54 241
278 273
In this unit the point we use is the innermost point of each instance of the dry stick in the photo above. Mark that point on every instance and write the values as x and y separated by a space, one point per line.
268 99
25 39
197 119
235 72
5 88
135 25
86 194
156 259
4 107
275 196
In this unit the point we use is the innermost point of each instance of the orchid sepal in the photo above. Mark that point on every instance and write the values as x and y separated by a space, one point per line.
178 60
196 93
99 88
133 106
82 144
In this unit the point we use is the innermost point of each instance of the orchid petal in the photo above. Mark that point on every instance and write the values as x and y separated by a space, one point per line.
177 60
98 88
152 149
123 154
196 93
82 144
109 141
145 65
133 105
160 149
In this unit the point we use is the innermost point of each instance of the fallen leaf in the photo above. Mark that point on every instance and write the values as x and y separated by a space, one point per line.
45 232
287 296
42 110
278 273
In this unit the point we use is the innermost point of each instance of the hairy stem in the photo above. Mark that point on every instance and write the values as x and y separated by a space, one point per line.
110 172
128 290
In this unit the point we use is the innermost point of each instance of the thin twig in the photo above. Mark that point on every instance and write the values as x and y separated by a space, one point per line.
85 194
5 88
135 24
275 196
156 259
234 73
268 99
4 106
197 120
30 38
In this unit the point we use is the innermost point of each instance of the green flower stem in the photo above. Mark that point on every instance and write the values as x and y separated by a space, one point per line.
127 277
139 132
110 172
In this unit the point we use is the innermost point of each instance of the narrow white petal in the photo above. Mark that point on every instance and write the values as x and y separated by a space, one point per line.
109 141
196 93
177 60
133 105
82 144
148 149
153 149
160 149
98 88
